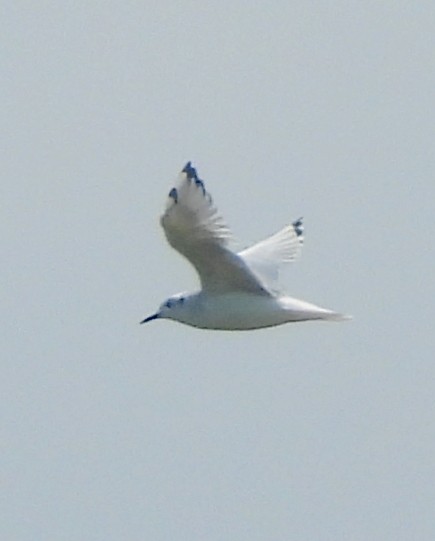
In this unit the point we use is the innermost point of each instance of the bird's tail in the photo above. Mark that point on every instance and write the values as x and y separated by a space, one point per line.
303 311
334 316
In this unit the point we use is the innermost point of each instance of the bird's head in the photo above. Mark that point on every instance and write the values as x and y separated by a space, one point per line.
171 308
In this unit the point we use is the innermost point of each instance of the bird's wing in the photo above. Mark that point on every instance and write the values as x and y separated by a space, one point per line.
194 228
265 257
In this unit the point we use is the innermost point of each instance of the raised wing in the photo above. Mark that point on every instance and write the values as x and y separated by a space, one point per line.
194 228
265 257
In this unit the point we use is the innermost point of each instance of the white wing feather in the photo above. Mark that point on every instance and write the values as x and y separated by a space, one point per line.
265 257
195 229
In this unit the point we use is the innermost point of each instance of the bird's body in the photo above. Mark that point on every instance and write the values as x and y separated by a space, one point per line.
245 311
238 291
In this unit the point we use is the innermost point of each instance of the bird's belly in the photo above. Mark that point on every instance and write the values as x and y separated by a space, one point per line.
239 312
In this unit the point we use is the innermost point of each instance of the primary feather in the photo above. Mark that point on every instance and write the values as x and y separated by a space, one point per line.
266 257
195 229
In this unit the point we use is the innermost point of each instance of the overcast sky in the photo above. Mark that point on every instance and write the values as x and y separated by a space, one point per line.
115 431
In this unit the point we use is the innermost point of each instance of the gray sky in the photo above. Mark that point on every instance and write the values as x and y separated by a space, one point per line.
112 430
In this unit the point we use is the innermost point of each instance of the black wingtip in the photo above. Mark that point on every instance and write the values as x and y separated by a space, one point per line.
200 184
299 227
193 175
173 194
190 171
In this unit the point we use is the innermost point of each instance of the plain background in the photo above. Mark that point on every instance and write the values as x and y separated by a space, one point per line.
316 431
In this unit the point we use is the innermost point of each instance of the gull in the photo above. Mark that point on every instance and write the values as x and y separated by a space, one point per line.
238 289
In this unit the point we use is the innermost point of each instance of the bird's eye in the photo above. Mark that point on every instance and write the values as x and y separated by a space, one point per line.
169 303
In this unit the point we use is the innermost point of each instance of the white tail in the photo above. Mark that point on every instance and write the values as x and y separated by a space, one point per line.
335 316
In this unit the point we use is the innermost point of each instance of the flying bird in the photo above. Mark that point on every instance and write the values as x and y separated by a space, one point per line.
238 289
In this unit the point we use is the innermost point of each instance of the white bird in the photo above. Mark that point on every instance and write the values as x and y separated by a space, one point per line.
237 289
